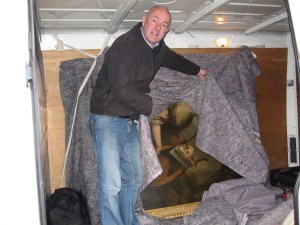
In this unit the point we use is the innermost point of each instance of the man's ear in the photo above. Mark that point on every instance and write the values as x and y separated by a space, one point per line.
143 20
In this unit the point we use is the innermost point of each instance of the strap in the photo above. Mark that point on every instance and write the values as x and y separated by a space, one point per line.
78 95
61 43
60 46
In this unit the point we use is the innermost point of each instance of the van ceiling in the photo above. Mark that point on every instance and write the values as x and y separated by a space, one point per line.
242 16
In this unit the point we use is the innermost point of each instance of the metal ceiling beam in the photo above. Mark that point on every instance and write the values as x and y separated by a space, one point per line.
120 15
266 23
76 10
200 13
255 5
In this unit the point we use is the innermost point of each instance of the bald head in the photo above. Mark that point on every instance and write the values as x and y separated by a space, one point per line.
156 24
162 9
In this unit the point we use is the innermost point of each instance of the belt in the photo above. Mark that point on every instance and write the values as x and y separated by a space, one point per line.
133 117
125 117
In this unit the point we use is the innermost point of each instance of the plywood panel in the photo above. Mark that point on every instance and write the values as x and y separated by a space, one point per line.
270 91
55 111
271 104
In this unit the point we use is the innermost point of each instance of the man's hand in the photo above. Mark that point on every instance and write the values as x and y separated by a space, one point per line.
202 73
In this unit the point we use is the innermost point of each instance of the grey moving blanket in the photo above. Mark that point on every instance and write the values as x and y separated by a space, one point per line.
225 103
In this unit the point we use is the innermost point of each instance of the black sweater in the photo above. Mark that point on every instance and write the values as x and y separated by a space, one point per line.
129 66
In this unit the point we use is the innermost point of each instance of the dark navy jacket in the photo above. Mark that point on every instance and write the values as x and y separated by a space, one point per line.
129 66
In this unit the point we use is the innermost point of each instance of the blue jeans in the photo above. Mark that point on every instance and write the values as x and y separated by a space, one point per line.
117 148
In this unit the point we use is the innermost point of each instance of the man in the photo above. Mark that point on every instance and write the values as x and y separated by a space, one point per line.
119 97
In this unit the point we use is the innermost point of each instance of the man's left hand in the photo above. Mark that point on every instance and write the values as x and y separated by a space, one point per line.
202 73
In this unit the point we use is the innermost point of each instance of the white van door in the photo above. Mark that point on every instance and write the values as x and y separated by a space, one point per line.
22 120
292 8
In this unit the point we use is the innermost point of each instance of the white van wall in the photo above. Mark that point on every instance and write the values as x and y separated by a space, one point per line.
94 39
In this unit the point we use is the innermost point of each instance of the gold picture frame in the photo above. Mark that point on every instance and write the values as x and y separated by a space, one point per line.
173 212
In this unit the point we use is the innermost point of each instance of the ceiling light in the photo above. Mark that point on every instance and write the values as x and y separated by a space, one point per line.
223 42
220 19
164 2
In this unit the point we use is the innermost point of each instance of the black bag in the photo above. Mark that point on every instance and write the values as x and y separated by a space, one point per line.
285 177
67 206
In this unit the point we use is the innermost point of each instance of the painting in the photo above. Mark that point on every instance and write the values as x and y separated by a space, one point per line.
187 171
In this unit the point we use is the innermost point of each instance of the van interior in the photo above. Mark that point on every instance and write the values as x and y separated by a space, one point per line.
64 31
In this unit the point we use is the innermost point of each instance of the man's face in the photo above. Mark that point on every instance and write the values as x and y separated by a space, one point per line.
156 25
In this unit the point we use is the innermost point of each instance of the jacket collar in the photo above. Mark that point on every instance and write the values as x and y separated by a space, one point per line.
137 30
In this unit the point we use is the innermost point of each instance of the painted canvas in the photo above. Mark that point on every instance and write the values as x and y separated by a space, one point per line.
187 171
